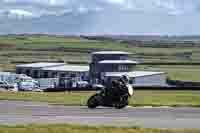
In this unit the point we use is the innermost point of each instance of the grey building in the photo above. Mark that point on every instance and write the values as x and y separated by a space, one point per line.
109 61
35 69
111 65
53 70
105 66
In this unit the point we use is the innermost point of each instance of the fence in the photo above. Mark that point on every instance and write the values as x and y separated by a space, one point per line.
48 82
8 77
179 83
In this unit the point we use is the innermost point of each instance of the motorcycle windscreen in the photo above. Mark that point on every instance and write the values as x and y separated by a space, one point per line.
130 89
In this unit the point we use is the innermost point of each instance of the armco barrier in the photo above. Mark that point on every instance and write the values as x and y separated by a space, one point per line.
175 88
150 88
171 63
179 83
48 82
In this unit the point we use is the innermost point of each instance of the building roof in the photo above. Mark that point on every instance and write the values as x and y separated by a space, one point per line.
117 62
68 68
41 65
132 74
111 52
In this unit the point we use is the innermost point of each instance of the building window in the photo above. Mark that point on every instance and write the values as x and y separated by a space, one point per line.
28 72
62 75
46 74
123 68
54 74
35 74
123 57
73 75
19 71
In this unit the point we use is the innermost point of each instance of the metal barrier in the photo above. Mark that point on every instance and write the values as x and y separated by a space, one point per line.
48 82
180 83
8 77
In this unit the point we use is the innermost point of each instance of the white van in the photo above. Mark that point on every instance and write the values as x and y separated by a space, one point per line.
26 83
5 85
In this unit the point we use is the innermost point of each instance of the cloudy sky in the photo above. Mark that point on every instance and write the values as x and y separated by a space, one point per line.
165 17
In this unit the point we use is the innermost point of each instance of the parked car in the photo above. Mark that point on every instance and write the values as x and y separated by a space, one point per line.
26 83
5 85
97 86
38 90
82 84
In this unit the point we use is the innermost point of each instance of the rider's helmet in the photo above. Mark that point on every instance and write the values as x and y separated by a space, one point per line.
125 78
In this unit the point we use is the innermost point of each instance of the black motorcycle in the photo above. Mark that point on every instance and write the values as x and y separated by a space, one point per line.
102 98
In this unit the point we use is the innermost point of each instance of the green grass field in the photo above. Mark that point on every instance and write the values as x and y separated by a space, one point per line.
63 128
141 98
32 42
19 49
176 72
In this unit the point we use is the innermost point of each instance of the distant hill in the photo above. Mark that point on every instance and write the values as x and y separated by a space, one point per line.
151 41
146 38
131 40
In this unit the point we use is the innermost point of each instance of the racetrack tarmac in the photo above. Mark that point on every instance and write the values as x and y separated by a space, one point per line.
18 113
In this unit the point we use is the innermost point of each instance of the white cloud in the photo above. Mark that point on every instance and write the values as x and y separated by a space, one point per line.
173 7
37 2
134 15
117 1
82 9
21 12
17 14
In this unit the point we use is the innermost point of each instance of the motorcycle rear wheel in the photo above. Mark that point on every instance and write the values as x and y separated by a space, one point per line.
94 101
122 104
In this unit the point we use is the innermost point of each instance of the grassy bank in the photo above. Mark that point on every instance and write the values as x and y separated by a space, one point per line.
62 128
15 45
141 98
176 72
20 49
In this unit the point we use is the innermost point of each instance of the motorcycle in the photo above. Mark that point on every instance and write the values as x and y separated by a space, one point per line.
103 99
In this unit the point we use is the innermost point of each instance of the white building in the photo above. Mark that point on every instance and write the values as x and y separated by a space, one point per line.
52 70
110 65
104 67
50 75
140 78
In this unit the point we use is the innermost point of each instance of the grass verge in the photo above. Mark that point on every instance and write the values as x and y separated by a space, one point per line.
141 98
63 128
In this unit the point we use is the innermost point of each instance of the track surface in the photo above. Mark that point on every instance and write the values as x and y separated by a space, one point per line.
12 113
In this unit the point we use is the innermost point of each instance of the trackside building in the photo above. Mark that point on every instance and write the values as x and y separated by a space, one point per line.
105 66
111 65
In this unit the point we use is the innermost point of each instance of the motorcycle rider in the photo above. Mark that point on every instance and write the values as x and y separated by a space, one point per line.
123 82
116 95
119 87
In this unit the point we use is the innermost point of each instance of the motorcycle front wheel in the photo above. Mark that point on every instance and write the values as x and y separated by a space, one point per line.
122 104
